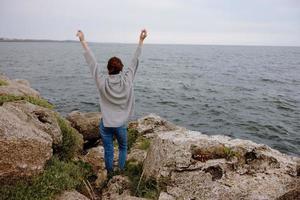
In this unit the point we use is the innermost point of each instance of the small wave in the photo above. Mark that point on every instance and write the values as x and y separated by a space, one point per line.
277 129
169 103
156 59
88 103
271 80
191 66
210 90
284 105
218 120
241 88
215 112
185 85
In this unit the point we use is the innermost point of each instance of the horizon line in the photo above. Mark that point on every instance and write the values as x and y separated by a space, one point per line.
4 39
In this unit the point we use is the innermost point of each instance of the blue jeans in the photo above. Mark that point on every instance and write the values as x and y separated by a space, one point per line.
107 135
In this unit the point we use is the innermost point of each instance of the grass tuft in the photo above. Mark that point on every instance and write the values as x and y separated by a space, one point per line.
132 136
229 153
146 188
3 83
57 177
34 100
71 141
144 143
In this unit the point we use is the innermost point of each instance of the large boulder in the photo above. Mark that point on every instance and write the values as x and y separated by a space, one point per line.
27 133
147 127
191 165
17 87
86 124
71 195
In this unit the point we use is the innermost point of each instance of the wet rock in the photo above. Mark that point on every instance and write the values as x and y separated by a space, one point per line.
17 87
27 133
71 195
196 166
86 124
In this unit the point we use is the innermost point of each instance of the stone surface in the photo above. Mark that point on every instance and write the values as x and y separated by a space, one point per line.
40 117
293 193
118 188
152 124
27 133
165 196
71 195
95 157
87 124
196 166
17 87
136 154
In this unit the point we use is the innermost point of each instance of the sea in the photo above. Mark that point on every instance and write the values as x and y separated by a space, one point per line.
246 92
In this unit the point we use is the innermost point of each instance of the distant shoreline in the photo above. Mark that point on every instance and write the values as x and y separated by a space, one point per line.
74 41
33 40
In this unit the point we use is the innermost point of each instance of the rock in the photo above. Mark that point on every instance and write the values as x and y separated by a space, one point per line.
95 157
17 87
152 124
128 197
86 124
136 154
27 133
22 81
147 127
293 194
40 117
71 195
192 165
118 188
165 196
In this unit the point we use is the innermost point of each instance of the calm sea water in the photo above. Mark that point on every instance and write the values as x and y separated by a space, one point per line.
244 92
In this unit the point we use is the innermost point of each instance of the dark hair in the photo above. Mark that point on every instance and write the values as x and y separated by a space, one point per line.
114 65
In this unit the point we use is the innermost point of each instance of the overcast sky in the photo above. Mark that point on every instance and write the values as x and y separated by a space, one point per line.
237 22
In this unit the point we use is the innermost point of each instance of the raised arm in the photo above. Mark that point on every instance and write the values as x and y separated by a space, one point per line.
135 60
89 57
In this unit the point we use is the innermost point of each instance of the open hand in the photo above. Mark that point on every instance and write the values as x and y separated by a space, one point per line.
80 35
143 34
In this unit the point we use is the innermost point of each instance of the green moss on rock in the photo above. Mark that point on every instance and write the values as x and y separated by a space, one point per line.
34 100
71 141
3 83
140 187
143 143
132 135
57 177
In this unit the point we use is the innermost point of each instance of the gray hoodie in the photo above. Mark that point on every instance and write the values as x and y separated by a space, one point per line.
116 91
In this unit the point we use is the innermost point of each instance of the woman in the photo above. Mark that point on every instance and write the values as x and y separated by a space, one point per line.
116 100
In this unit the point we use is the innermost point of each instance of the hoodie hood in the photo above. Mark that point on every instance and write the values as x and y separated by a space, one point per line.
116 90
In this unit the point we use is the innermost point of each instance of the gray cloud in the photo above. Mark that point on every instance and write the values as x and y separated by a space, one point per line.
257 22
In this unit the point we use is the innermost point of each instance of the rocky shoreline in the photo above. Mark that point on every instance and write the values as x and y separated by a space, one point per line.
45 156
